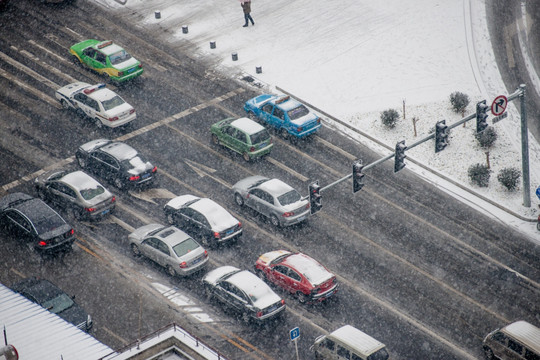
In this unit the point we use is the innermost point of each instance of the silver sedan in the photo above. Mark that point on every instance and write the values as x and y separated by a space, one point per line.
169 247
279 202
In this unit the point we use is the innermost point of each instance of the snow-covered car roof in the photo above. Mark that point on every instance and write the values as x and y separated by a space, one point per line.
80 180
94 144
73 87
102 94
258 291
216 215
357 339
272 255
216 274
288 104
172 236
109 49
314 272
247 125
275 187
120 150
179 201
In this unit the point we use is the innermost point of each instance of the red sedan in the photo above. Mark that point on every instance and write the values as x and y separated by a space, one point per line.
297 273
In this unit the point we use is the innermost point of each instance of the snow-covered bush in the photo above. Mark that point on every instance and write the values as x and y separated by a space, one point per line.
509 178
486 138
389 118
459 101
479 175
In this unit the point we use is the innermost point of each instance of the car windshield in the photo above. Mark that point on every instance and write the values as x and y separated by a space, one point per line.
184 247
58 304
289 197
260 137
48 223
119 57
112 103
382 354
298 112
89 194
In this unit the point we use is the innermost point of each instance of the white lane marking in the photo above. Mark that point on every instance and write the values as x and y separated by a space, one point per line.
29 71
185 303
123 224
48 67
287 169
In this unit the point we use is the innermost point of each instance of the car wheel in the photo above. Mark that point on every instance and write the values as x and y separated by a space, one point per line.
98 123
80 113
260 274
538 226
215 139
488 353
246 157
207 292
302 298
205 241
75 60
41 194
239 199
74 213
245 317
170 270
170 218
284 133
118 183
64 104
135 250
274 220
82 162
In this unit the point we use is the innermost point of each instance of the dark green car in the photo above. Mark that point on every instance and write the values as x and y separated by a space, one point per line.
107 58
243 136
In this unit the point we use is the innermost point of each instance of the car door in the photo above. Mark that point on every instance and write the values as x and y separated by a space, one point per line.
184 219
240 142
88 55
149 248
279 276
327 349
266 113
255 200
228 138
106 166
294 281
200 225
233 296
19 224
61 194
85 104
278 118
163 253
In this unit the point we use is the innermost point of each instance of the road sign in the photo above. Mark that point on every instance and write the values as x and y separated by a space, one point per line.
295 333
499 105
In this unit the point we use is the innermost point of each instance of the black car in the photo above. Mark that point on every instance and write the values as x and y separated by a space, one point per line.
203 218
52 298
116 162
30 218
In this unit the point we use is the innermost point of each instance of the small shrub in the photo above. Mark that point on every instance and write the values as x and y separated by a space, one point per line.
459 101
486 138
479 175
389 118
509 178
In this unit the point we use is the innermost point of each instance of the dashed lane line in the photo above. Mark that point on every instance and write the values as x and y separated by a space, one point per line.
31 90
28 71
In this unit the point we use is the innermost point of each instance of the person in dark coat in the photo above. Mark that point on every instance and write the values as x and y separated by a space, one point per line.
246 6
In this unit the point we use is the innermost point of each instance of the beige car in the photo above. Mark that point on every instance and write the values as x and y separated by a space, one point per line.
517 341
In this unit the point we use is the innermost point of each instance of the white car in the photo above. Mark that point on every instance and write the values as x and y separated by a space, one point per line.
97 103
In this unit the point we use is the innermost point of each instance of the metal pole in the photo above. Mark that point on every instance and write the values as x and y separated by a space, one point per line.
525 150
296 347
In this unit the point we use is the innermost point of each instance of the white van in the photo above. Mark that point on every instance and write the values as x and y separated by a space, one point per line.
349 343
517 341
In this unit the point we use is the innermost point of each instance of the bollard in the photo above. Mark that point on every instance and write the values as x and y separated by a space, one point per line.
185 29
212 44
258 69
234 56
157 14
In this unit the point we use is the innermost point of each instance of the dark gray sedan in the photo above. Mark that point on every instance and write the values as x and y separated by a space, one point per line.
169 247
279 202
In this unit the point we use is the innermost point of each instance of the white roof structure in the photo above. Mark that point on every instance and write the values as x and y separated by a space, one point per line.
357 339
39 334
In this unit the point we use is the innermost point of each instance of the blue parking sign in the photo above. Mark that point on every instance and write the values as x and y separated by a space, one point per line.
538 192
295 333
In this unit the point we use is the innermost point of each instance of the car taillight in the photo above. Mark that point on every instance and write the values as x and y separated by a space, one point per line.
90 209
217 235
252 149
239 224
71 232
282 301
42 243
134 178
120 73
307 206
183 265
318 120
113 118
259 313
154 169
140 66
287 214
113 199
299 129
205 253
131 111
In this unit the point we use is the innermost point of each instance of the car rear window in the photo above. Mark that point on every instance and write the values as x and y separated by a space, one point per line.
119 57
112 103
381 354
58 304
298 112
185 247
260 137
48 223
89 194
289 197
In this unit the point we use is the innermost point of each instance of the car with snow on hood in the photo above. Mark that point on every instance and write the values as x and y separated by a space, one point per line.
289 117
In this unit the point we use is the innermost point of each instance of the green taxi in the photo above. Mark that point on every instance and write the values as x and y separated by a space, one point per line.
243 136
107 58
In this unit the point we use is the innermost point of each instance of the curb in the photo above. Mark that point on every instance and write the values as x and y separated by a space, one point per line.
435 172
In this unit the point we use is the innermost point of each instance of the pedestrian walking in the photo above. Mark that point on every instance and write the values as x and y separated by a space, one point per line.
246 6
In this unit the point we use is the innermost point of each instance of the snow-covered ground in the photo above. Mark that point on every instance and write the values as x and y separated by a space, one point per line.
355 58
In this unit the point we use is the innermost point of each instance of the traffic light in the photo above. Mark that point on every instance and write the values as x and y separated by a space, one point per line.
481 116
441 136
399 159
357 176
315 197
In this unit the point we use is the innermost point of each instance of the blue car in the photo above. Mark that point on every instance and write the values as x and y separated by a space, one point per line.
289 117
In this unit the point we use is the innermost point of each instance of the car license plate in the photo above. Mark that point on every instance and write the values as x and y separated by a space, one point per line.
229 232
105 211
146 176
301 218
131 70
196 261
